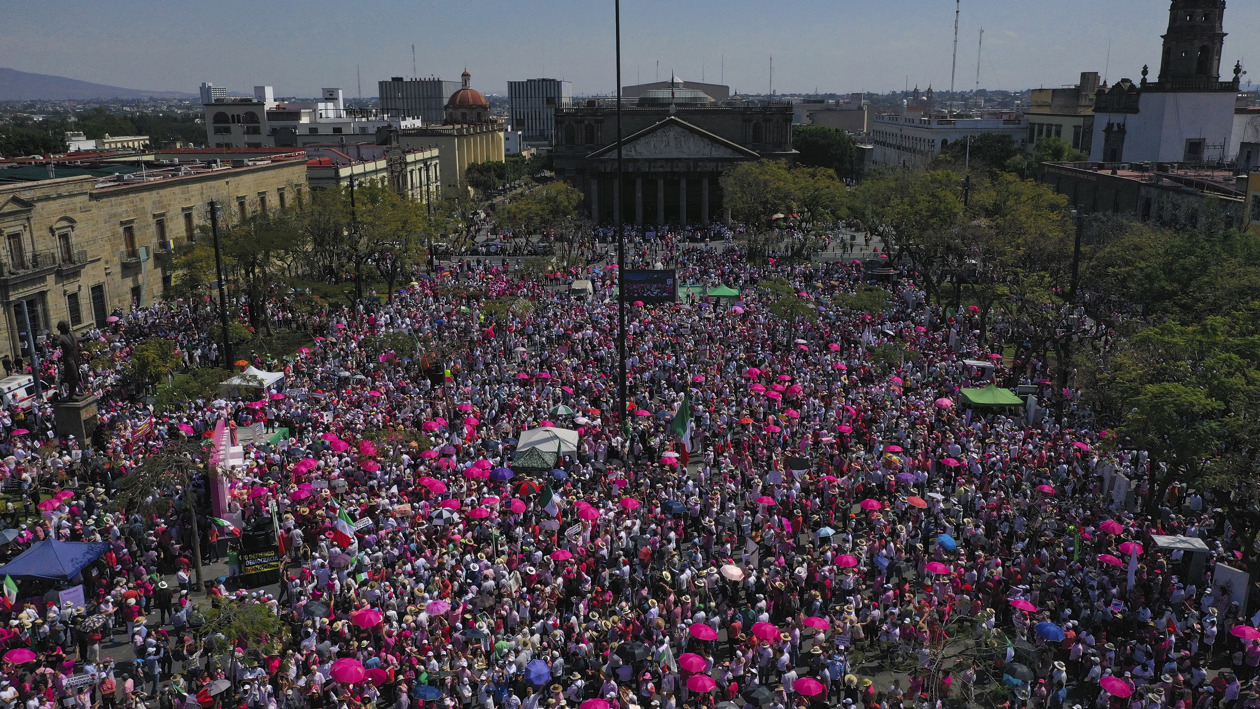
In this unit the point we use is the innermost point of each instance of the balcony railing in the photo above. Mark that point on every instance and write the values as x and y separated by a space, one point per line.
27 263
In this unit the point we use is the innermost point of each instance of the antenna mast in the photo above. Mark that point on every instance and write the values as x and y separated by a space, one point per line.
954 69
771 74
413 58
359 77
978 50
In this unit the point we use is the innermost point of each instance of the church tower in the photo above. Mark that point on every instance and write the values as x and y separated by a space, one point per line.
1192 46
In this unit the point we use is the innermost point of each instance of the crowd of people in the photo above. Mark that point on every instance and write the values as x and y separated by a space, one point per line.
793 512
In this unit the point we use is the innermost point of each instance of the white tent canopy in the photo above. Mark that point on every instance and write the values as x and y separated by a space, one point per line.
252 378
549 439
1191 544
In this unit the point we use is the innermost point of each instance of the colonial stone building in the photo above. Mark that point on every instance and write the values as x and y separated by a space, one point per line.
78 247
469 135
676 143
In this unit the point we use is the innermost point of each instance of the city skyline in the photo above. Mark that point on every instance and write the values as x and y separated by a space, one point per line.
841 47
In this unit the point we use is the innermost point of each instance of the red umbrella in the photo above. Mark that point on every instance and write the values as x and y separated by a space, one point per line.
1116 686
526 487
817 623
1110 560
845 561
870 505
807 687
701 683
765 631
1024 605
348 670
702 631
915 501
692 662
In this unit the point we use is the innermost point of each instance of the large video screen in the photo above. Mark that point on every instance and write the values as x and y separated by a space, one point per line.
650 286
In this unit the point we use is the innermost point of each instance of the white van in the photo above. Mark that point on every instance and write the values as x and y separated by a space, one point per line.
17 392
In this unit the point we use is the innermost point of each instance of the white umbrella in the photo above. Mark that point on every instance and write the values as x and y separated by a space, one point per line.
444 516
732 572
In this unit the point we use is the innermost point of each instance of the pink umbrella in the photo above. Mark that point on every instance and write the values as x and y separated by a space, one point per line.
471 421
464 407
377 676
348 671
1131 548
490 500
773 429
765 500
702 631
329 436
698 378
692 662
277 396
1246 632
943 403
950 463
1023 605
561 555
629 503
774 395
752 372
844 428
186 428
479 513
49 504
870 505
339 446
669 461
429 426
817 623
893 448
450 503
765 631
588 513
19 656
846 561
701 683
522 375
759 388
834 347
638 304
936 567
371 466
483 465
367 448
792 414
437 487
642 412
1116 686
20 431
429 454
1082 446
595 703
1046 489
1110 560
437 607
807 687
546 423
366 618
517 506
1110 526
299 495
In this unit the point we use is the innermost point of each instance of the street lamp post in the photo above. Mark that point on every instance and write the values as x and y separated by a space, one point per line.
623 402
218 269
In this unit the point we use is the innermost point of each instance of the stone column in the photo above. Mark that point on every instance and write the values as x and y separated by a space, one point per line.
704 200
660 201
616 199
638 200
682 200
595 198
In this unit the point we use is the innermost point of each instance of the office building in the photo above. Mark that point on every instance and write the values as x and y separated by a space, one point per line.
211 93
916 135
848 114
416 98
532 108
1066 113
261 121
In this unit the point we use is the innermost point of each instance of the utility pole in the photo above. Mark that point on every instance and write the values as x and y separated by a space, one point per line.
623 416
954 68
218 270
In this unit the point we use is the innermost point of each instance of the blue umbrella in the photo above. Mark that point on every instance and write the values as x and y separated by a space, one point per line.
439 321
947 541
559 474
673 507
428 693
1050 631
826 532
537 673
502 474
663 414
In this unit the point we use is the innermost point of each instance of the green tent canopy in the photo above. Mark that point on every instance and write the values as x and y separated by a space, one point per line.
991 396
724 292
715 292
534 458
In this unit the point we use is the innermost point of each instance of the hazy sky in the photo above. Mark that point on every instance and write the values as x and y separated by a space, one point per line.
831 45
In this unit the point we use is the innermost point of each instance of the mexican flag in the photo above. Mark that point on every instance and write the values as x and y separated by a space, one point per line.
220 522
10 589
549 501
682 426
343 529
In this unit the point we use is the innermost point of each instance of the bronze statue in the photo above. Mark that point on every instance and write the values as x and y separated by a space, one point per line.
71 356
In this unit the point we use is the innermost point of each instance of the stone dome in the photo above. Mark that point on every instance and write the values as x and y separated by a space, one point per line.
467 96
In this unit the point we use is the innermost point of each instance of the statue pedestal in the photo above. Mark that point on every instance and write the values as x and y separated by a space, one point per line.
76 418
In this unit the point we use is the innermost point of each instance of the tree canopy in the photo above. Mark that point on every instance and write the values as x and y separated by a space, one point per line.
829 148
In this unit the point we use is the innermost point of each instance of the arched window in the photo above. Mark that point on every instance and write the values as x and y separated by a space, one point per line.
1204 60
221 117
249 117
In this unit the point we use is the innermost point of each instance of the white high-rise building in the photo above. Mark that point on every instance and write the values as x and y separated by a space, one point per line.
532 107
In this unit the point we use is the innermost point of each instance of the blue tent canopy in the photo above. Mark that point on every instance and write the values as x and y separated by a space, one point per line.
52 559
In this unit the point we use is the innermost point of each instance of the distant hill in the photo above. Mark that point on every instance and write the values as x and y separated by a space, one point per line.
23 86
